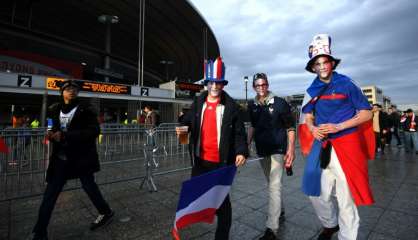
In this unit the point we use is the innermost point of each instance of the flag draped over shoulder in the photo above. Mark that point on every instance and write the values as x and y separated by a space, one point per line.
201 196
3 146
352 149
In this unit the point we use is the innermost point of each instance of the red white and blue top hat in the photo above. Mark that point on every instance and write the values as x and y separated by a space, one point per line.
320 46
214 71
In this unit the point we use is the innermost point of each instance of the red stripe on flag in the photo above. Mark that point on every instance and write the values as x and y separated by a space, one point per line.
207 215
353 150
175 234
306 139
3 146
367 139
333 96
219 68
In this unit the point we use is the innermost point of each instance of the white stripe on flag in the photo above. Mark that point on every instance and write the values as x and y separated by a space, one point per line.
211 199
215 69
306 99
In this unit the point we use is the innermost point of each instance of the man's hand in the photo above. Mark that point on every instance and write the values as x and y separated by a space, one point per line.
55 136
317 133
289 157
239 160
329 128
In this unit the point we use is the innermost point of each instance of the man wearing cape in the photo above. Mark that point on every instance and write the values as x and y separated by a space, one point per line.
337 137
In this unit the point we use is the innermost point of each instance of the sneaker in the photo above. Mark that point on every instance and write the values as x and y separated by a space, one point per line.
268 235
102 220
327 233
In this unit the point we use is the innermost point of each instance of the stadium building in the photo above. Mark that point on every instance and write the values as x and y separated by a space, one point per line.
120 51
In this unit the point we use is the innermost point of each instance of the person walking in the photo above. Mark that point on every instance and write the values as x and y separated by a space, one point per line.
393 125
380 127
273 130
337 115
410 126
72 130
152 119
218 135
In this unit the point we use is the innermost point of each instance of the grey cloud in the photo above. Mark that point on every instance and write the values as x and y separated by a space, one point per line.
377 41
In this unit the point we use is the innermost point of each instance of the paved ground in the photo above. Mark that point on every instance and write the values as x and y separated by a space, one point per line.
144 215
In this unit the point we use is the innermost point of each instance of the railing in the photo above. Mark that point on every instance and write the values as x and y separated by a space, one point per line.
122 152
126 152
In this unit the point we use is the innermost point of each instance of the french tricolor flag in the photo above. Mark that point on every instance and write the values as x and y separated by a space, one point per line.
201 196
306 138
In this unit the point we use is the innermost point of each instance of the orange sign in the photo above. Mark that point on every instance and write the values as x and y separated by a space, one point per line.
105 88
189 86
54 83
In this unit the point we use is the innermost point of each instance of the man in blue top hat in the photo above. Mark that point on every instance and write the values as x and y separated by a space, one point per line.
218 135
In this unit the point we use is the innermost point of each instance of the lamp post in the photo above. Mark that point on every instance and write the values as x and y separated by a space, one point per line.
108 20
246 88
166 63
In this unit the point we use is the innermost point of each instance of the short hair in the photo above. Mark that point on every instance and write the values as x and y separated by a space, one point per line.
259 76
409 110
148 106
377 105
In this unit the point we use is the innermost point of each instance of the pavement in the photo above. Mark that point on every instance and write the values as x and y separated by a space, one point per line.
141 214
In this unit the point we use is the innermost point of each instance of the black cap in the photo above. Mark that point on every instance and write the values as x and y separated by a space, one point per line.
69 83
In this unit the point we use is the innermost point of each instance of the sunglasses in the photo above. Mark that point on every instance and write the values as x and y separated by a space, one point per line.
261 85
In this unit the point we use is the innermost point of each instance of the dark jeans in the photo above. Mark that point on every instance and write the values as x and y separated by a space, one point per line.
396 134
380 141
52 191
224 213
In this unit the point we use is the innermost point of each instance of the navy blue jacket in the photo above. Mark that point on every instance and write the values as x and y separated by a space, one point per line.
270 123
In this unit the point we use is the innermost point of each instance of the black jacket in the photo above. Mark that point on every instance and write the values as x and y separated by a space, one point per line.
383 121
233 138
407 124
78 144
270 123
393 120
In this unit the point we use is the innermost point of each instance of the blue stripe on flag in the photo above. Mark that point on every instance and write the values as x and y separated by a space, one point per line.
311 182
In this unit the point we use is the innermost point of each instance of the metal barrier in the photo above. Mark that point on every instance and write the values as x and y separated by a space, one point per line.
22 170
126 152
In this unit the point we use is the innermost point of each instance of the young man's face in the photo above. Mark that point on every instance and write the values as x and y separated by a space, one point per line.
215 89
261 87
69 93
323 67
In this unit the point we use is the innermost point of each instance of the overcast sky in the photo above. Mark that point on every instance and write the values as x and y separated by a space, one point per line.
377 41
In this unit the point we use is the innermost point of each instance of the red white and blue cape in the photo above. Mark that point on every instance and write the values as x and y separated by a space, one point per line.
353 150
